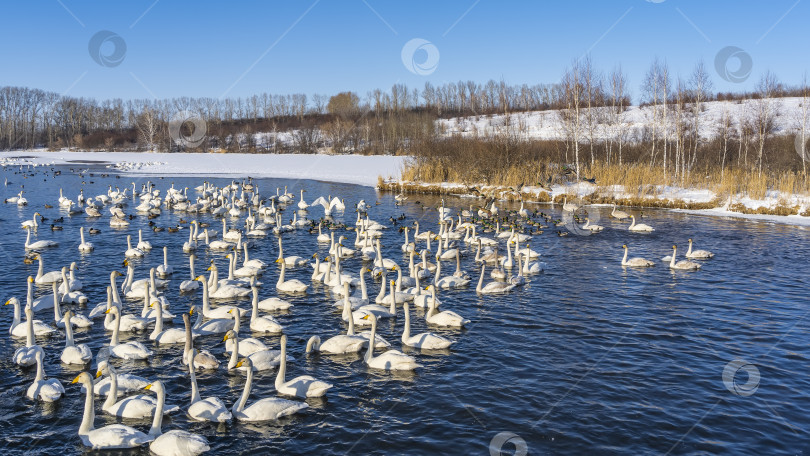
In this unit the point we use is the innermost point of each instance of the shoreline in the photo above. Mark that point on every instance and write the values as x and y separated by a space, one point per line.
694 202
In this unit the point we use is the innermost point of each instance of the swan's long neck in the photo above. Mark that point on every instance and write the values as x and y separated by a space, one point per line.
158 319
282 274
231 267
89 413
371 339
165 259
236 321
191 266
406 331
689 252
363 290
438 271
17 316
81 232
481 279
406 236
157 420
633 218
254 304
112 393
116 328
282 366
27 243
245 392
672 260
234 359
624 260
40 269
40 368
348 310
189 341
129 242
206 302
195 391
57 311
392 308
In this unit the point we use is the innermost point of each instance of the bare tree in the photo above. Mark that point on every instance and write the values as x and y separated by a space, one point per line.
148 127
700 91
804 116
766 109
573 93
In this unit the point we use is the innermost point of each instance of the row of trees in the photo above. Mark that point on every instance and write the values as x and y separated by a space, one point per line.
589 105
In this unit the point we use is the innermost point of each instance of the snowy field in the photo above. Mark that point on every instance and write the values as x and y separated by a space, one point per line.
350 169
547 125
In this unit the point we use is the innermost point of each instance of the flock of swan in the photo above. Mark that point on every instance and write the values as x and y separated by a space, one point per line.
430 263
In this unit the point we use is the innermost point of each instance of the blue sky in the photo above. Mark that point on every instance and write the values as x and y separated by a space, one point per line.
217 49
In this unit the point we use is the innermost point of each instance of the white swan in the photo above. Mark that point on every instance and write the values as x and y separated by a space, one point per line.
267 409
246 346
20 329
261 360
49 390
174 442
165 269
84 246
26 356
445 317
73 353
263 324
635 262
128 350
192 284
621 215
33 222
210 327
165 336
302 386
45 278
698 254
302 205
222 311
448 282
114 436
38 244
132 252
204 359
289 286
391 359
492 287
593 228
143 245
290 261
208 409
425 340
683 264
639 227
342 343
133 407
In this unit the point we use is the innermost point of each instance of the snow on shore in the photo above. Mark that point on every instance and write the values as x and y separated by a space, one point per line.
350 169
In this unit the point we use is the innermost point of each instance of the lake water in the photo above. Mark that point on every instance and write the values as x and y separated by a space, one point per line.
587 358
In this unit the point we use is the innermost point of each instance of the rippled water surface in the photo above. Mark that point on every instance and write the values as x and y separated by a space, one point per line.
587 358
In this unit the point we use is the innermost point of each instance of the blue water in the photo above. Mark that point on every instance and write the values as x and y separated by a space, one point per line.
587 358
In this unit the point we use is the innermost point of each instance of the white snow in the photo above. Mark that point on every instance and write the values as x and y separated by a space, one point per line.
350 169
547 125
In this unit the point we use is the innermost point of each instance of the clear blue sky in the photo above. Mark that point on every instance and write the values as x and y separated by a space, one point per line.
240 48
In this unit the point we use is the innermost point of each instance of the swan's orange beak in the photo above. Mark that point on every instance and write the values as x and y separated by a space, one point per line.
75 380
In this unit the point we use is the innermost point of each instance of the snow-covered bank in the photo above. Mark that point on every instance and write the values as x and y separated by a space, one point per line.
691 201
350 169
